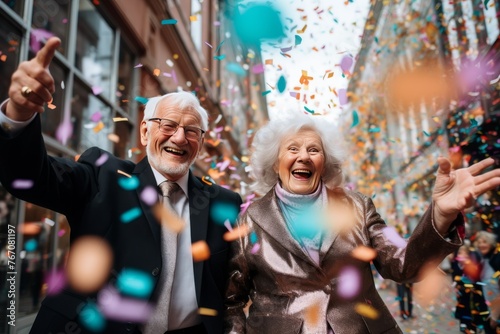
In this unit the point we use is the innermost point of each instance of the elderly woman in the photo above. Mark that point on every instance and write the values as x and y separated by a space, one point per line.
305 262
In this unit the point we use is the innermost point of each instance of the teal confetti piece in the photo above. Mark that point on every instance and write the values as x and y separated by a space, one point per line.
426 133
253 237
221 211
355 119
281 84
135 283
298 40
31 245
237 69
266 92
168 21
91 318
486 3
141 99
375 129
130 215
219 57
376 39
128 183
374 195
309 110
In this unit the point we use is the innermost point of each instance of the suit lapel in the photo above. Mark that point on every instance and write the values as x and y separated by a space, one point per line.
146 178
267 214
199 208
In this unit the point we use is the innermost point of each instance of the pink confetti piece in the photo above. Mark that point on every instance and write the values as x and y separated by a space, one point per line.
96 117
56 281
61 233
257 69
138 65
209 45
255 248
64 131
224 165
149 195
349 282
22 184
96 90
244 207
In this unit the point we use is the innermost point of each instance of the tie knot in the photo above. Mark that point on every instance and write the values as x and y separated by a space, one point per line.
168 188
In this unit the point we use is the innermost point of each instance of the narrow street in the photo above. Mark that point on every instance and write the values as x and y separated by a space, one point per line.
436 318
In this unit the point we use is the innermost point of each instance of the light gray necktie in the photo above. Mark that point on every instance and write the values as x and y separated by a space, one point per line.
158 323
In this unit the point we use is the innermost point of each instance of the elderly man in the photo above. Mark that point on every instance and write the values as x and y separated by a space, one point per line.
104 196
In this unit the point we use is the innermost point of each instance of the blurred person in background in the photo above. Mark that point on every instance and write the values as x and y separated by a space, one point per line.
304 262
115 200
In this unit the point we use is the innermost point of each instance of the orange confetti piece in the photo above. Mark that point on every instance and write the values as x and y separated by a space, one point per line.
51 106
99 126
237 232
114 138
312 315
156 72
268 62
123 173
200 251
3 57
193 18
364 253
168 218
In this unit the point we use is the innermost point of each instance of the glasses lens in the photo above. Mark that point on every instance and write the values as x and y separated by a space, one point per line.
192 132
168 127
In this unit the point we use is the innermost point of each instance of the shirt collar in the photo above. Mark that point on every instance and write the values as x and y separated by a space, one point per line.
182 182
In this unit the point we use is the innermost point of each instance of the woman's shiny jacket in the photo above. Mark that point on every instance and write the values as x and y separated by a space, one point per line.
290 293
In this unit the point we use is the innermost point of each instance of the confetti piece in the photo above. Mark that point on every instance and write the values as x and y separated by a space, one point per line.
64 131
207 311
349 282
130 215
96 90
366 311
281 84
393 236
123 173
236 233
22 184
120 119
49 222
98 127
298 40
168 218
129 183
141 99
255 248
56 281
114 138
200 251
91 317
102 159
311 315
89 264
117 307
30 245
364 253
222 211
135 283
149 195
168 21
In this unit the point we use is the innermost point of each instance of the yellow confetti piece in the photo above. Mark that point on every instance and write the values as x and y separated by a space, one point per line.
366 311
200 251
120 119
193 18
207 311
99 126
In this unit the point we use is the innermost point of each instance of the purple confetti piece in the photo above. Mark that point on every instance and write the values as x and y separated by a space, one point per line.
97 90
349 282
346 63
22 184
255 248
342 96
101 160
149 195
393 236
227 224
61 233
116 307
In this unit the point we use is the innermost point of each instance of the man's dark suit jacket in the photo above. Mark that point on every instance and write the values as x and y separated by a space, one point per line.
90 196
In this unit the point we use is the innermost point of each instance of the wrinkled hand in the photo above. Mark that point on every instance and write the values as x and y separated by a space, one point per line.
35 75
456 190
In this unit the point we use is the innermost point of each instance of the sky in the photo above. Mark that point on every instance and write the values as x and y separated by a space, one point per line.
320 35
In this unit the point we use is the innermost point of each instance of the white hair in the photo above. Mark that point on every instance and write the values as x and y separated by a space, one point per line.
267 141
181 100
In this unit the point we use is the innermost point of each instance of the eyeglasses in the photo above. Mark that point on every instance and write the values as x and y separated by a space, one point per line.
170 127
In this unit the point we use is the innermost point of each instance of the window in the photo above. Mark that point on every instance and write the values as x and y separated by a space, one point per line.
196 24
50 18
10 39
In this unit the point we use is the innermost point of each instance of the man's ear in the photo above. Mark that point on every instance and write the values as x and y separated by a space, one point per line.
144 133
201 145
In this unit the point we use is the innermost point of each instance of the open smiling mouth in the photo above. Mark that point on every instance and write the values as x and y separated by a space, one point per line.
174 151
302 174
